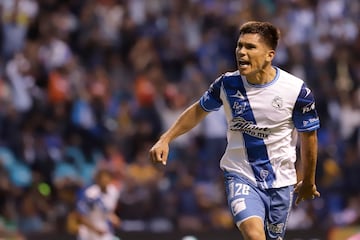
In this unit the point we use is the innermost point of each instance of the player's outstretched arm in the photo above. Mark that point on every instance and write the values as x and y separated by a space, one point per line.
306 189
193 115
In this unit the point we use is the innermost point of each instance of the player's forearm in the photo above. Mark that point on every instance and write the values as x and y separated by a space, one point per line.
186 121
85 221
309 156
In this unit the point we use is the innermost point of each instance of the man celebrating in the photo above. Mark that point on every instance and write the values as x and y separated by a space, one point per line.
266 108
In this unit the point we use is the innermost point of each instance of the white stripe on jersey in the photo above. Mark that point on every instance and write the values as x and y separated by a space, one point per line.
262 122
97 206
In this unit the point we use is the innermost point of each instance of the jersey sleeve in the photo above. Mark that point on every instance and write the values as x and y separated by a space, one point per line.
82 204
305 116
211 100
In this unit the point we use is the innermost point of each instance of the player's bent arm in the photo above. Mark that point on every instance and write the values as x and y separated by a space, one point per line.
114 219
85 221
192 116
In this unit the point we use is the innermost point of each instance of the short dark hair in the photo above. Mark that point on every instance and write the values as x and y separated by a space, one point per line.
103 171
269 33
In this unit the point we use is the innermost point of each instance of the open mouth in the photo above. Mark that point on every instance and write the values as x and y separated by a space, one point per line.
243 63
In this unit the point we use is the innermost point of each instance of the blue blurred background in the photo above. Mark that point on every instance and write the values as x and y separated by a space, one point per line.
91 83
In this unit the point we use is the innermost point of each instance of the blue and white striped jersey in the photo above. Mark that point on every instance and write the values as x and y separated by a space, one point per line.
263 121
97 206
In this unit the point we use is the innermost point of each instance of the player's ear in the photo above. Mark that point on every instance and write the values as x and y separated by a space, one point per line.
270 55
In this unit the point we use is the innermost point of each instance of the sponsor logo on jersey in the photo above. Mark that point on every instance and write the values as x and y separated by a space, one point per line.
239 104
248 127
206 96
238 95
311 120
308 107
264 174
239 107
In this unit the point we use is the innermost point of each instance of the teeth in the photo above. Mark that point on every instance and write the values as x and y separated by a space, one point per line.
243 63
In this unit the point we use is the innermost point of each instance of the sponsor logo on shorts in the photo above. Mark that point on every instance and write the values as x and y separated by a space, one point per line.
276 228
238 205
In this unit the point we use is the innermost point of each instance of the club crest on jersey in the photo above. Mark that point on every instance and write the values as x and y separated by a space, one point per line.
277 103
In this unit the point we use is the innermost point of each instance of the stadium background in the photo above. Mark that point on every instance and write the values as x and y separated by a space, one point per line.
88 83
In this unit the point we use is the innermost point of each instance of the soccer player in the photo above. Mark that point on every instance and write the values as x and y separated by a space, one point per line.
266 109
96 209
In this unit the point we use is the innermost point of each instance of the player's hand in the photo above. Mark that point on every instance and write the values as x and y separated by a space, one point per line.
159 152
305 192
99 231
115 220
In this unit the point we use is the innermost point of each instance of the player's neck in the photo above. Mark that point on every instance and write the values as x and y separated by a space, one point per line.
263 76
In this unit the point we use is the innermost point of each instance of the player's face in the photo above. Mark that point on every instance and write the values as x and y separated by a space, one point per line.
252 54
103 181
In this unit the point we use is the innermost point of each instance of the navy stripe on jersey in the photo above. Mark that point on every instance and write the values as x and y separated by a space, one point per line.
305 117
245 122
85 205
211 101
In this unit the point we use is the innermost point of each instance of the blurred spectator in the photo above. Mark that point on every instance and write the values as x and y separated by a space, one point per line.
17 70
9 218
96 208
31 218
17 16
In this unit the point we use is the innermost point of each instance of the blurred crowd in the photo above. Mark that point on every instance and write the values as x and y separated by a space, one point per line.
92 83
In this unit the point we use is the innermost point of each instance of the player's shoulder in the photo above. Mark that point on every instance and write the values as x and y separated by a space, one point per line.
232 74
228 76
225 77
112 190
283 75
92 191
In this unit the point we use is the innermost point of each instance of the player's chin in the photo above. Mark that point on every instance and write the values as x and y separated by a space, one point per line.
244 71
